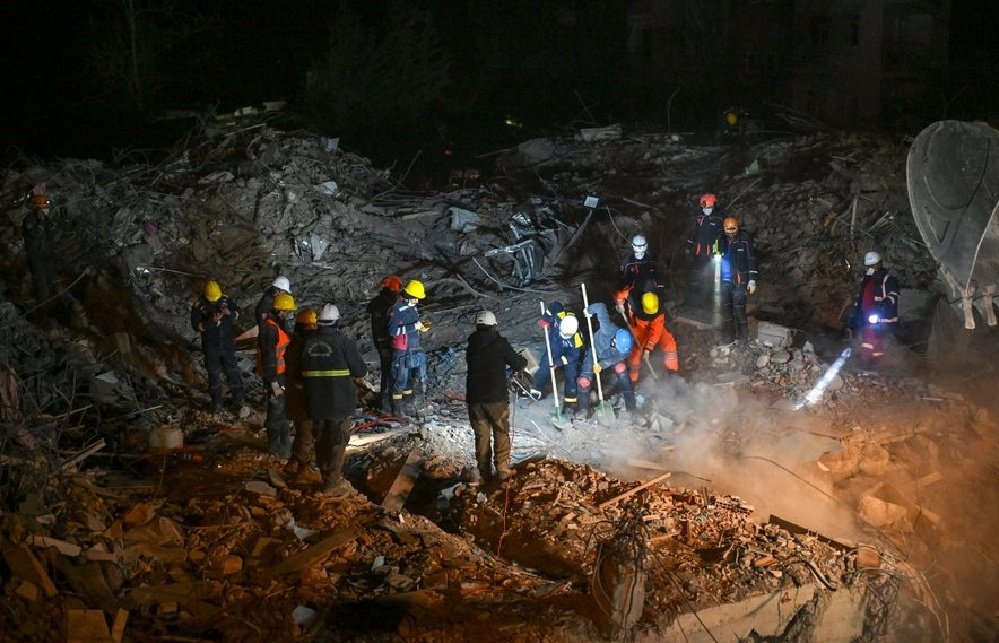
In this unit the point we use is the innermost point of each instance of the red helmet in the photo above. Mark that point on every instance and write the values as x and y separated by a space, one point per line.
392 283
708 200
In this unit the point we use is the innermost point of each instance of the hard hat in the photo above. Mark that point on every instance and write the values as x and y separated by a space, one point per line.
213 292
623 341
392 283
284 302
329 314
415 289
40 202
282 283
568 326
650 303
708 200
306 317
639 244
872 258
486 318
731 117
730 224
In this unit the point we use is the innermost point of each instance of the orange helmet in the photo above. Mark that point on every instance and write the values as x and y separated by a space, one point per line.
392 283
708 200
40 202
730 225
307 317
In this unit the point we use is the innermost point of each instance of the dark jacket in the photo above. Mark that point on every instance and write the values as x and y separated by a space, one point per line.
378 309
707 229
330 362
402 321
883 300
738 258
215 334
638 272
264 306
488 355
37 231
295 407
272 344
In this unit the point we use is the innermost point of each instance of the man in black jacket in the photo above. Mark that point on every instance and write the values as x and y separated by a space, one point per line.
330 363
37 231
488 355
378 310
738 277
213 316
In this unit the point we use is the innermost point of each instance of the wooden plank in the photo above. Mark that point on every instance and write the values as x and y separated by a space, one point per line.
65 548
118 628
314 554
799 530
86 626
24 565
630 492
408 475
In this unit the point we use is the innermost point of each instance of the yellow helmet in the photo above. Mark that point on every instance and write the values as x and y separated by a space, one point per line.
650 303
284 302
213 292
415 289
307 317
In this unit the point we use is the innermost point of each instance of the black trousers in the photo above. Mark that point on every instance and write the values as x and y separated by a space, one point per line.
219 360
277 425
734 310
332 436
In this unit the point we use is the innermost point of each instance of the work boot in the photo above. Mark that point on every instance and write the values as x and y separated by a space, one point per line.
338 488
291 467
306 476
503 473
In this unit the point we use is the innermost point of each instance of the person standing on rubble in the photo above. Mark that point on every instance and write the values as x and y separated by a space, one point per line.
613 345
875 310
272 347
738 277
214 315
36 230
330 364
296 407
701 245
280 285
409 366
638 269
566 344
488 356
649 327
378 311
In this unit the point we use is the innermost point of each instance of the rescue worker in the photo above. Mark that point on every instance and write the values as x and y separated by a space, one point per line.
278 286
330 364
272 347
488 356
562 329
701 245
876 308
378 310
638 269
648 324
214 315
37 233
409 367
296 406
738 277
613 345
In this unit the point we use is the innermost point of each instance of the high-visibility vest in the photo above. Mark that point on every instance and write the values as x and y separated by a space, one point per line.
279 350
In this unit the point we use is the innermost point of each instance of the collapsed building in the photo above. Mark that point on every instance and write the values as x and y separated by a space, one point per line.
739 505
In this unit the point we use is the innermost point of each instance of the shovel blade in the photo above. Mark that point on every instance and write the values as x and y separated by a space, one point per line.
605 414
560 419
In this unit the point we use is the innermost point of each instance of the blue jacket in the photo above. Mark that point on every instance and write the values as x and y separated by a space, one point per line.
738 258
607 355
402 320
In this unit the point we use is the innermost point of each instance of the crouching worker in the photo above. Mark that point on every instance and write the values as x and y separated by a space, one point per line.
330 363
613 345
565 345
649 325
488 356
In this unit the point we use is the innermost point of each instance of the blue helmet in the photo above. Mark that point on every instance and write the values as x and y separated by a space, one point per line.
623 341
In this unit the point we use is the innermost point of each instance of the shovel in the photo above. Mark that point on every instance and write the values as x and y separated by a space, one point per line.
558 417
605 412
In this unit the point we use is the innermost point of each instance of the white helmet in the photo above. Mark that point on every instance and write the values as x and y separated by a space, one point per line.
485 318
568 326
282 283
639 245
872 258
329 314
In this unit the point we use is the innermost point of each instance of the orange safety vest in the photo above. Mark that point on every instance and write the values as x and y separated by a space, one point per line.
279 350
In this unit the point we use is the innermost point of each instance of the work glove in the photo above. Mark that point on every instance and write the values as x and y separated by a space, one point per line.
597 368
752 286
543 324
276 389
587 313
620 308
422 327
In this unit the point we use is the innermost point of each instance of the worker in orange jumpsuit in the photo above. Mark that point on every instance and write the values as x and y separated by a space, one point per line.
648 324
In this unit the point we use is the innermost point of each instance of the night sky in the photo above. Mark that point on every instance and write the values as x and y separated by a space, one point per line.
549 64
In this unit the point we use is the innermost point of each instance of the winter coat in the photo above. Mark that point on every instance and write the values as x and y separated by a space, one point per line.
638 272
607 355
37 232
882 300
488 355
402 331
707 230
272 343
738 258
215 335
295 404
263 309
330 362
378 309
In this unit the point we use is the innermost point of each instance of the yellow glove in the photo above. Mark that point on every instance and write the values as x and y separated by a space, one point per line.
597 368
752 286
420 326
